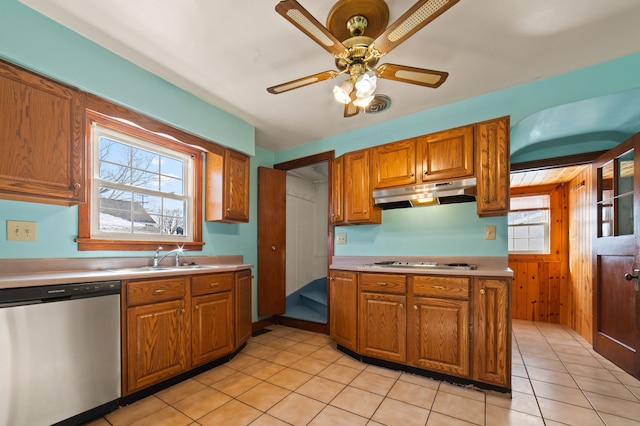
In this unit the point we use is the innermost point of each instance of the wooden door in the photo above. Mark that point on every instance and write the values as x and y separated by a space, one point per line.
212 327
272 198
357 188
616 305
343 314
394 164
438 335
446 155
156 343
492 331
383 326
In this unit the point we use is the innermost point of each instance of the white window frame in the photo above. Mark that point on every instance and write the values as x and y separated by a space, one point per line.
98 131
546 226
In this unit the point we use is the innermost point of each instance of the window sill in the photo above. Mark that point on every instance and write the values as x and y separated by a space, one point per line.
87 244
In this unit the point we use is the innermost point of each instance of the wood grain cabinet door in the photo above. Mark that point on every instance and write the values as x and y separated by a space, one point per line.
492 157
394 164
227 187
343 308
383 326
337 191
212 327
446 155
158 345
357 189
42 139
492 331
438 335
242 296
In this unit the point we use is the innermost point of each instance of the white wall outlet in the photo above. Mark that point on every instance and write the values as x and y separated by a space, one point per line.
341 238
490 232
18 230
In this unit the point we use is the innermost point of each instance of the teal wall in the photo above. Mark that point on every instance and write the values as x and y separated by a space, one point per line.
32 40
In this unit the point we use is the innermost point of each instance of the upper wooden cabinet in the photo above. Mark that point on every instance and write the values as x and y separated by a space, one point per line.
492 152
394 164
357 189
42 139
227 187
446 155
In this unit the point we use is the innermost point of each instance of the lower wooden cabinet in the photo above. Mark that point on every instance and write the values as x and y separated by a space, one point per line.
459 326
383 317
492 331
157 332
171 325
242 295
343 308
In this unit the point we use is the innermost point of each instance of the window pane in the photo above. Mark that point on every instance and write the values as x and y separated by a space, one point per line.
114 152
145 213
530 202
145 160
625 173
625 215
115 210
114 173
171 185
147 180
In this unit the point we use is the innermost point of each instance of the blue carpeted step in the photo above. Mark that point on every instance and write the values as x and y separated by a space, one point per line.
315 300
304 313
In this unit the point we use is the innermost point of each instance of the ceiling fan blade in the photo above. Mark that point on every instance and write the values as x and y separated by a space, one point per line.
301 82
414 19
350 109
292 11
412 75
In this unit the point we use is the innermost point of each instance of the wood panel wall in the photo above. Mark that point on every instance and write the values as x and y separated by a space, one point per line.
581 231
558 287
540 282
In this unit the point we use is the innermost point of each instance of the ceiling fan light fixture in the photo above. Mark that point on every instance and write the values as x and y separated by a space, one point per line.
363 102
342 93
366 84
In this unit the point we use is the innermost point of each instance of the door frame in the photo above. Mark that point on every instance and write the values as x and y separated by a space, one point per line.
327 156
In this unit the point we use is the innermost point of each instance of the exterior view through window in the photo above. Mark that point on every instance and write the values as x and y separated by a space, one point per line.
143 189
529 225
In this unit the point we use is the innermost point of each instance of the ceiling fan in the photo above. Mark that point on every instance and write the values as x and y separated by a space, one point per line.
362 27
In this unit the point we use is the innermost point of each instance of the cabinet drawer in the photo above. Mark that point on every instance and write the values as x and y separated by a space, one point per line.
442 287
213 283
383 283
145 292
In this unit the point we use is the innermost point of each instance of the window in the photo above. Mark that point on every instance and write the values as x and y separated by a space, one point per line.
529 225
143 190
145 186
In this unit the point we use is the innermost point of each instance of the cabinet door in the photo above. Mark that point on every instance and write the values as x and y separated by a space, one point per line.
383 326
236 195
243 310
157 343
438 335
492 331
227 187
394 164
212 327
358 198
446 155
42 137
492 152
337 191
343 308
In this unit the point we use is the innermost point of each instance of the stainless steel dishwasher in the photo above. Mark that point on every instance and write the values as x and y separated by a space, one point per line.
59 353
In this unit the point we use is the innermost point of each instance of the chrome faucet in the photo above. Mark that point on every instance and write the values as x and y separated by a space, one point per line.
157 259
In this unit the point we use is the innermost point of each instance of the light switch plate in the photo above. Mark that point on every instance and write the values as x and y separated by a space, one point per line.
18 230
490 232
341 238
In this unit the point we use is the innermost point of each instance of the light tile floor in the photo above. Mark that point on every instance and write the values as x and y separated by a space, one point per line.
295 377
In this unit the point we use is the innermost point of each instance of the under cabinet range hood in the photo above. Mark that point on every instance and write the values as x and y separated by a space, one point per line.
428 194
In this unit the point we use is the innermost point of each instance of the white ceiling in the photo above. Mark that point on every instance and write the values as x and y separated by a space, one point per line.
229 52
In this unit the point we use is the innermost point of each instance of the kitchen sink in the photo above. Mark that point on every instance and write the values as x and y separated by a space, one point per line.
162 268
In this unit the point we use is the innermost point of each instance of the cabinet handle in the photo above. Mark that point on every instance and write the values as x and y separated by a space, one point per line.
401 306
77 185
228 209
482 291
415 307
439 287
426 172
486 200
159 291
197 307
412 174
382 284
213 284
183 310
